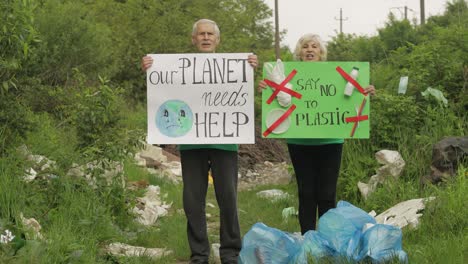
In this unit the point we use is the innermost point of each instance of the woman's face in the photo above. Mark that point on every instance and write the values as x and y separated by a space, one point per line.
310 51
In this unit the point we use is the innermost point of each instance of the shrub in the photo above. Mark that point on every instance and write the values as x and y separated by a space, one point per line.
393 116
70 38
99 126
16 39
14 122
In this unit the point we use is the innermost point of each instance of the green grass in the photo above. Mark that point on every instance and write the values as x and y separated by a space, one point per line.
442 236
253 209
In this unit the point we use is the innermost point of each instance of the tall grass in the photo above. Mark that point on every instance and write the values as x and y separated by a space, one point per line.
53 139
359 164
12 194
442 234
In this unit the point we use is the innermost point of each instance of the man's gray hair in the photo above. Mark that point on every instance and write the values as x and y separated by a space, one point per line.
206 21
306 39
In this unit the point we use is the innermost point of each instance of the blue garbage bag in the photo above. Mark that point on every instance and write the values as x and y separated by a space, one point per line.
263 254
313 246
342 228
266 245
381 243
356 215
342 232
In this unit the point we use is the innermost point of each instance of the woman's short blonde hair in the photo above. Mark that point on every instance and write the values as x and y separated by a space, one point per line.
306 39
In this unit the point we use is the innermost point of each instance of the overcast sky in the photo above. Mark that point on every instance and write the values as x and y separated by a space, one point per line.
361 17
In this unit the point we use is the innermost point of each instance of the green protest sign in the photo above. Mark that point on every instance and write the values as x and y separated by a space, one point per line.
315 100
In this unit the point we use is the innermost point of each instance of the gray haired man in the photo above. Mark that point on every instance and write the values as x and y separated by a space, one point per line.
197 160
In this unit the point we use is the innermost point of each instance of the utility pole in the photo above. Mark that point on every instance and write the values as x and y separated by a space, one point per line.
423 16
405 10
277 36
341 19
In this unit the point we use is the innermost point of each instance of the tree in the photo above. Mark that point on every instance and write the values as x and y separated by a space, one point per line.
348 47
17 39
397 33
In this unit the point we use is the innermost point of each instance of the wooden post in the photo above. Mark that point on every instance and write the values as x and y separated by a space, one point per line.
277 36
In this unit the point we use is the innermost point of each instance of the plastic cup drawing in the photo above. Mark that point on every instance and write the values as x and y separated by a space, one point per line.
274 115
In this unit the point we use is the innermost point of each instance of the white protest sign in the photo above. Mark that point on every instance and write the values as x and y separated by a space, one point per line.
200 98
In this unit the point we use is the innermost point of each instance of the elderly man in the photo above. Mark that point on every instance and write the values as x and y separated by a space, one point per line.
197 160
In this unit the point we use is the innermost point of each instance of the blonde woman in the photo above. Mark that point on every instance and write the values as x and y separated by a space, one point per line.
316 161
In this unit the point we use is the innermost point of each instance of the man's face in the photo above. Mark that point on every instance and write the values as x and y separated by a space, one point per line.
205 39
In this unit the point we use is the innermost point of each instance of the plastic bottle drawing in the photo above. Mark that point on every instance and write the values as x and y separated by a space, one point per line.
350 87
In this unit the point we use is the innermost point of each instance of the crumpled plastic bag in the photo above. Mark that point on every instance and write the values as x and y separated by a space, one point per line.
342 228
437 94
288 212
314 246
266 245
276 74
382 243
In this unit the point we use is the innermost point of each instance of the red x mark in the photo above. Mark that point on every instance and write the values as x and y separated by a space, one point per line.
357 118
351 80
281 87
279 121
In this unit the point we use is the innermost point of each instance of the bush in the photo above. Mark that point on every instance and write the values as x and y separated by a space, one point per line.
16 39
56 142
393 116
71 39
58 101
15 122
98 121
346 47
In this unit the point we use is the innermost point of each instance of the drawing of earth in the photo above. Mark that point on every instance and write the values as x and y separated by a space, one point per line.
174 118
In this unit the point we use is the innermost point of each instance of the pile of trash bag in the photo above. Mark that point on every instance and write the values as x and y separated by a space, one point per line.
343 232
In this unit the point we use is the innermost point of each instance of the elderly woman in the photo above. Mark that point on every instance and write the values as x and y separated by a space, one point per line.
316 161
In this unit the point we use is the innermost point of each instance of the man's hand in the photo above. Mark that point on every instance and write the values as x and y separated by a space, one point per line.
146 62
370 90
252 60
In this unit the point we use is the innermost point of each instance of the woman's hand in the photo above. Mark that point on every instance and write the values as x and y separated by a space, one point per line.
370 90
146 63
